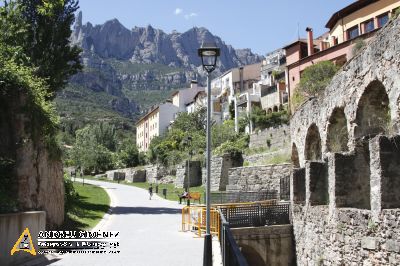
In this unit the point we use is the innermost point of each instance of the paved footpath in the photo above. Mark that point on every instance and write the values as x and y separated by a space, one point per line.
149 232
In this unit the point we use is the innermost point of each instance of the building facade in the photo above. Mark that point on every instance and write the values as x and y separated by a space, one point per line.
159 118
351 25
154 124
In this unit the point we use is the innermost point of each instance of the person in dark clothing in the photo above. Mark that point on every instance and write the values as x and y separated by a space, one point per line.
184 195
151 190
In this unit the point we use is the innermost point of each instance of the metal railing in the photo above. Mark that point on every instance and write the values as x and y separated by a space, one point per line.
230 251
257 215
242 196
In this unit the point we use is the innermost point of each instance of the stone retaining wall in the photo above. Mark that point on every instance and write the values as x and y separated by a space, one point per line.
273 138
195 175
262 158
349 237
220 170
256 178
155 173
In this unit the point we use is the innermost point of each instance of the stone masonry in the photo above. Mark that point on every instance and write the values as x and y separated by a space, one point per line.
256 178
155 173
273 138
220 169
346 150
128 174
195 174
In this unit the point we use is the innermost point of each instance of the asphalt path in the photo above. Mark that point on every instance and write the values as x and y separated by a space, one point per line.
149 232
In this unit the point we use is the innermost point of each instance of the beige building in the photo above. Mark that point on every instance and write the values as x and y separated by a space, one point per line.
183 97
157 120
154 124
233 83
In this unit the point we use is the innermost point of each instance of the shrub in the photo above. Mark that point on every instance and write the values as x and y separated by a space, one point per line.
70 195
262 120
298 98
358 46
315 78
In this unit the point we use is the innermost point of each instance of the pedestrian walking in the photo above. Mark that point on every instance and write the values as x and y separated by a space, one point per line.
151 190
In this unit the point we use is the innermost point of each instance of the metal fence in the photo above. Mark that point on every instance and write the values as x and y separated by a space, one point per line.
242 196
231 254
257 215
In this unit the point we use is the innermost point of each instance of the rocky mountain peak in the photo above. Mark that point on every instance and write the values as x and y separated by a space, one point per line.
151 45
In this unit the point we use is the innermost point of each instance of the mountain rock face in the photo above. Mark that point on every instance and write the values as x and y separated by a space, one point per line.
121 62
149 45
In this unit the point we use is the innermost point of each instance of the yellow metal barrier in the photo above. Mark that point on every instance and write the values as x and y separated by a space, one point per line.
194 219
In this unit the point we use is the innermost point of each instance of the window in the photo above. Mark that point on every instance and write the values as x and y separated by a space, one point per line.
369 26
383 19
353 32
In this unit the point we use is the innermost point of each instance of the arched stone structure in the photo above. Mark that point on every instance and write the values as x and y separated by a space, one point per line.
269 111
295 156
363 182
312 150
275 108
373 112
337 136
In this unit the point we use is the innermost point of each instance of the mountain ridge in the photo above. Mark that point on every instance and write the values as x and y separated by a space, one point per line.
150 45
136 68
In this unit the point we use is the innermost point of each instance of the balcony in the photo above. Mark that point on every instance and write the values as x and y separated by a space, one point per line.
247 97
274 100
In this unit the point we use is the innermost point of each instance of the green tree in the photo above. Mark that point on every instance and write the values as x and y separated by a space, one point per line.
129 155
89 154
105 135
42 29
315 78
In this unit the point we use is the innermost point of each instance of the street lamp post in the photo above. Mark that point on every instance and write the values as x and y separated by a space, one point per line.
208 53
188 142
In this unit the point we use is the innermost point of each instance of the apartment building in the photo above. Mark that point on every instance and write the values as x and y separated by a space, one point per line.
272 85
234 82
182 97
355 22
154 124
159 118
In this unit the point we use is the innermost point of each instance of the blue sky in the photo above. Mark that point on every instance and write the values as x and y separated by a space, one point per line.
262 25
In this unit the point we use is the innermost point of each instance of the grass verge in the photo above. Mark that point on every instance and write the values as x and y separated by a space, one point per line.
88 208
172 191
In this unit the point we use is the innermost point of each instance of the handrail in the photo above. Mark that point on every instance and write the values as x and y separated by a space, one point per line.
231 254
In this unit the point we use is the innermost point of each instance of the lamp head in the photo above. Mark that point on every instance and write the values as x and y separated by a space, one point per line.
209 53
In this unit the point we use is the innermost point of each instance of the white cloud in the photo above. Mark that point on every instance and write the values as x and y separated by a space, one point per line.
178 11
191 15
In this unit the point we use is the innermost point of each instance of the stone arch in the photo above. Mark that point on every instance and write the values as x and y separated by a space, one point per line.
295 156
281 107
338 135
373 111
312 150
252 256
269 110
275 108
